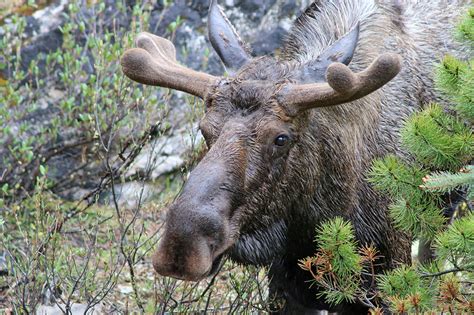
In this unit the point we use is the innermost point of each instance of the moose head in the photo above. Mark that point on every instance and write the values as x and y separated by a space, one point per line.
255 127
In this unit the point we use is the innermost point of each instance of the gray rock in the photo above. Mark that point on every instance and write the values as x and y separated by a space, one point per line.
164 155
130 194
124 289
4 264
255 8
43 34
75 309
50 17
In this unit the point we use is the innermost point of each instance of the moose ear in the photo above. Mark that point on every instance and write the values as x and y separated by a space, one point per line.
225 40
341 51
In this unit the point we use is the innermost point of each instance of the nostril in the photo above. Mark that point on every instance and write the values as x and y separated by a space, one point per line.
212 247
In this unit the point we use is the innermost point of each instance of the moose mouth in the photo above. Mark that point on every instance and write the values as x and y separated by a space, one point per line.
216 265
215 268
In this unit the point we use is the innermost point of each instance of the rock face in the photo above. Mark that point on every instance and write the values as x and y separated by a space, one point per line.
261 23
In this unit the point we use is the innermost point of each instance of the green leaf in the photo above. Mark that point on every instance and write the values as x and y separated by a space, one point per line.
42 170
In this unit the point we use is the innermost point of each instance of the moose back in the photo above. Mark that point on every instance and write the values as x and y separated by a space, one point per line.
290 138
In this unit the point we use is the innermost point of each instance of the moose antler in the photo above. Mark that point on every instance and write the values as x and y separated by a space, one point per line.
342 85
154 63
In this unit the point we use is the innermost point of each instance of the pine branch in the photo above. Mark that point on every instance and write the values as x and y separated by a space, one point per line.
448 72
456 244
444 272
446 181
336 238
466 28
421 219
395 177
438 140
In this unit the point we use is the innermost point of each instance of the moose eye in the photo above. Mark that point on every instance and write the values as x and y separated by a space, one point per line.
281 140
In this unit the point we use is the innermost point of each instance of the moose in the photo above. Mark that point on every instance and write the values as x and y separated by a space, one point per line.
290 138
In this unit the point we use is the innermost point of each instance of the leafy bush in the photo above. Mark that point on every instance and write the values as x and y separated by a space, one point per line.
72 124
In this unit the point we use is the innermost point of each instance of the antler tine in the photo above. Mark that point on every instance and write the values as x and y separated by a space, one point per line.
342 85
156 46
154 63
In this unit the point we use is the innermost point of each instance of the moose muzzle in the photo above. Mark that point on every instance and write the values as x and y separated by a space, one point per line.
200 225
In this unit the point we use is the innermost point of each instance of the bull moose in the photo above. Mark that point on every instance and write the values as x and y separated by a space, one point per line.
290 137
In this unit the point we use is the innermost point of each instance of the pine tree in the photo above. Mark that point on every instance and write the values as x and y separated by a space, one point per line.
432 200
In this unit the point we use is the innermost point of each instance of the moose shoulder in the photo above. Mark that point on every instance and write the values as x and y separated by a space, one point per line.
290 138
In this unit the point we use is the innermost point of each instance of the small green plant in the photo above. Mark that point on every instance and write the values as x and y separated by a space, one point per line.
92 120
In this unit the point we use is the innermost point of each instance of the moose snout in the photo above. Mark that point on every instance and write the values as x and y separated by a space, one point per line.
191 262
190 248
